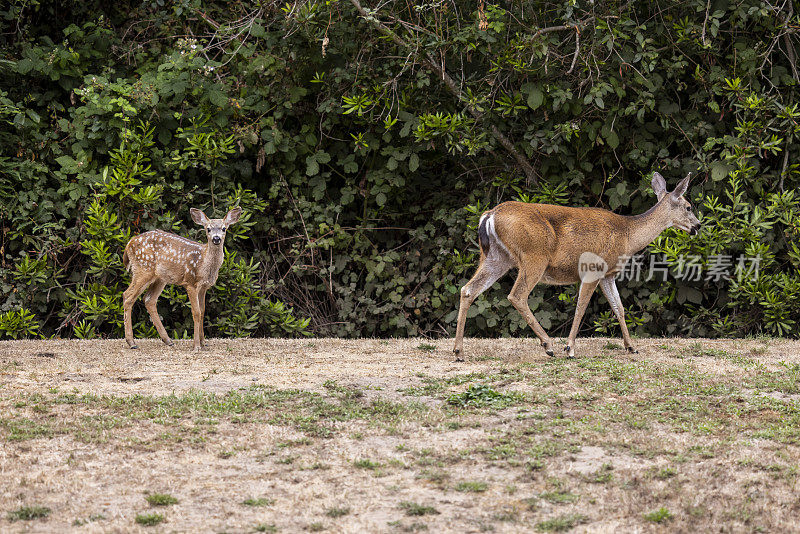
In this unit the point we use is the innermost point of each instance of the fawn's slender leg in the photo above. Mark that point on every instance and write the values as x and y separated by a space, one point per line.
609 287
530 272
584 296
138 285
202 299
150 301
492 267
194 300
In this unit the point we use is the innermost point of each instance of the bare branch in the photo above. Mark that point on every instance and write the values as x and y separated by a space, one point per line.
577 49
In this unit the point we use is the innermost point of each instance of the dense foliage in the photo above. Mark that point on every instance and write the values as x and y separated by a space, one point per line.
363 143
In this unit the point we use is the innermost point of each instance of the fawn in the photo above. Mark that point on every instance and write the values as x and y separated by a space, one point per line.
158 258
552 244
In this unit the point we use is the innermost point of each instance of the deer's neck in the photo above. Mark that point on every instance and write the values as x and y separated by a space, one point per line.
645 228
210 264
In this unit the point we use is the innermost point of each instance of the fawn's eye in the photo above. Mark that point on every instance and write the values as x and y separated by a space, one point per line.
209 228
688 208
223 228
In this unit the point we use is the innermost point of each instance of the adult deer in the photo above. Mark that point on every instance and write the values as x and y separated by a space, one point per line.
157 258
549 244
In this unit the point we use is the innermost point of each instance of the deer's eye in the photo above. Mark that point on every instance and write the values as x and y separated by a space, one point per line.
688 208
223 228
209 228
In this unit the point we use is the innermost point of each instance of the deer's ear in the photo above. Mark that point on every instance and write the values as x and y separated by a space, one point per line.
233 216
198 216
682 186
659 185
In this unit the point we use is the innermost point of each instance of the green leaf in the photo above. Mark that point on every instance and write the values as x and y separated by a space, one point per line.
218 98
720 170
535 97
611 137
413 163
312 167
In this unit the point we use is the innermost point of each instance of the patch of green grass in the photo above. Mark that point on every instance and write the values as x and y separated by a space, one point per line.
315 527
161 499
658 516
602 475
344 392
479 395
335 511
472 487
697 350
264 527
226 454
559 497
612 346
28 513
149 520
366 463
665 473
427 347
260 501
561 523
24 429
413 527
414 509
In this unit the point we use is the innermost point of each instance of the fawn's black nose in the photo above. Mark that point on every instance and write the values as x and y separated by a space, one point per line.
216 240
695 230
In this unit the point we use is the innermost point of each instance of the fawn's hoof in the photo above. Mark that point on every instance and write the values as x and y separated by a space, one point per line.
547 349
570 351
169 343
632 350
134 346
457 353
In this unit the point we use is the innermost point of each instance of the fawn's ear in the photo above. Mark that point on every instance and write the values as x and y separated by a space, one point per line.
198 216
233 216
659 185
681 188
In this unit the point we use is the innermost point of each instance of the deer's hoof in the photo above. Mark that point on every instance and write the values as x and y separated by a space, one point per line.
170 343
570 351
457 353
134 346
547 349
632 350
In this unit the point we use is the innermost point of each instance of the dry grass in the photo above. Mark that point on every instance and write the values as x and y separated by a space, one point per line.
393 436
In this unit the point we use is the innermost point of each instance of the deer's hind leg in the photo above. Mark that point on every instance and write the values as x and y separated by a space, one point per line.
150 302
201 297
490 269
138 285
584 296
530 272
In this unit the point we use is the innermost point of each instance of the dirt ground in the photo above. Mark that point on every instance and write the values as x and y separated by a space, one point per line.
394 436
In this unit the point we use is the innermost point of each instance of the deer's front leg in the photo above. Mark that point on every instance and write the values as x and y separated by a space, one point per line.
609 287
194 300
584 296
202 299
